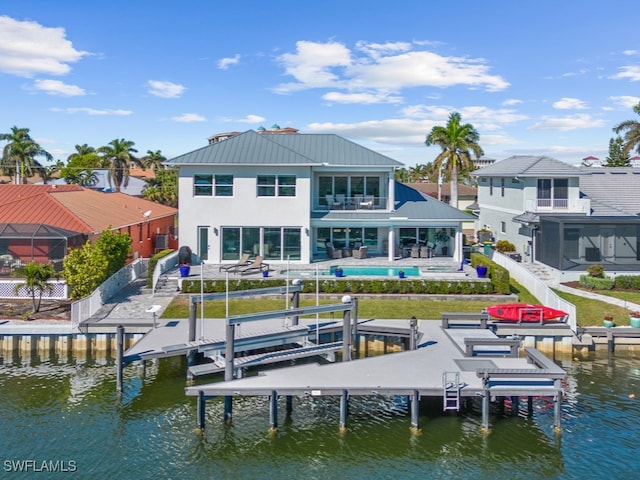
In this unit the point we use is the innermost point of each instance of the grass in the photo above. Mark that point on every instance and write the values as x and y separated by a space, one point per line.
589 312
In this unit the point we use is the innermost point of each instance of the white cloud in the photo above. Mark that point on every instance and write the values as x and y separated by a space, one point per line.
482 118
224 63
511 101
386 68
56 87
361 98
626 101
92 111
568 103
163 89
571 122
631 52
632 72
28 48
189 118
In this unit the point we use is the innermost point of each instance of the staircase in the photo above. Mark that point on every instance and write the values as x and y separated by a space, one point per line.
542 272
167 286
451 386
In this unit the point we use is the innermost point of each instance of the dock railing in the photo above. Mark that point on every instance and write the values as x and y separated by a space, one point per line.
537 287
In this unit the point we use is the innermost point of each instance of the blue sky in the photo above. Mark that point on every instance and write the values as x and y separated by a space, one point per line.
540 78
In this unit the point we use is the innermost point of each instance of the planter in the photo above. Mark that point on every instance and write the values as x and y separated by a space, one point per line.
634 322
608 323
400 274
265 273
482 271
338 273
184 270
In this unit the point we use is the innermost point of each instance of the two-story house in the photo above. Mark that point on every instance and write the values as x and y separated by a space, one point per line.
563 216
284 196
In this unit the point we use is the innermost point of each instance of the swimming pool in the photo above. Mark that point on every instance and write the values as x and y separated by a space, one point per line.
359 271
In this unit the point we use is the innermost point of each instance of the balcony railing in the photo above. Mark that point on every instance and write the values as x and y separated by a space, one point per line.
356 202
553 203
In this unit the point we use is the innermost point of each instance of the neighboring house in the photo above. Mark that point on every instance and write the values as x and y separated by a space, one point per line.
563 216
42 222
134 187
284 196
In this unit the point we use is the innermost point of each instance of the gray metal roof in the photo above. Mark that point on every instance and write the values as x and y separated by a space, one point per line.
252 148
410 204
614 191
529 166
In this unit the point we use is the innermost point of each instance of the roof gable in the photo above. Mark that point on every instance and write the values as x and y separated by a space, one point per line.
252 148
604 186
529 166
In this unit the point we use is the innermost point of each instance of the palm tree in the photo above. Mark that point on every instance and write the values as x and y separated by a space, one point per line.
18 155
456 141
119 155
36 277
153 160
631 129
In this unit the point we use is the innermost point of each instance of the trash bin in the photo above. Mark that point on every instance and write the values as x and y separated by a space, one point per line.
184 255
488 249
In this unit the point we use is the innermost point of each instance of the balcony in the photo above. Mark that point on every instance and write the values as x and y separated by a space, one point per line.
561 205
354 203
553 203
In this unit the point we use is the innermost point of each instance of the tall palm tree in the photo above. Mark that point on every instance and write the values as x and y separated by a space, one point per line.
18 155
631 129
457 141
119 155
153 160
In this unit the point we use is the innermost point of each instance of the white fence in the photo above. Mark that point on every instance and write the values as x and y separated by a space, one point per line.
59 290
537 287
85 308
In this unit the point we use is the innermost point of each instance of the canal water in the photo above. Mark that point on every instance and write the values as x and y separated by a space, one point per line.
66 419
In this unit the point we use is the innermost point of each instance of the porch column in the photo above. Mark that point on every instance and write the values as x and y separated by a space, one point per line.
391 239
392 193
458 254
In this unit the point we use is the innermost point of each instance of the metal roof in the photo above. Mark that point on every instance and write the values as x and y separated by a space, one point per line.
31 230
529 166
252 148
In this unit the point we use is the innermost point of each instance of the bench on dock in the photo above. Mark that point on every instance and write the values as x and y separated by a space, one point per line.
464 319
492 347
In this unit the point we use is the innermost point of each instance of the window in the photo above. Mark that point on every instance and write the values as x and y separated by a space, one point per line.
203 185
280 186
502 187
491 186
273 243
351 188
503 227
553 192
224 185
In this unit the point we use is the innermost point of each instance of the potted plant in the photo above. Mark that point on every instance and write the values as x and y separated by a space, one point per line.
608 322
338 272
442 237
401 274
481 270
634 319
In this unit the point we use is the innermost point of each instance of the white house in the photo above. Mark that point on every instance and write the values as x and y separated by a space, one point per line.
284 196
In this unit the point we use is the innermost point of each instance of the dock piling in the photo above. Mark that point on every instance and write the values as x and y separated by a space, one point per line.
273 410
344 409
201 409
415 411
119 355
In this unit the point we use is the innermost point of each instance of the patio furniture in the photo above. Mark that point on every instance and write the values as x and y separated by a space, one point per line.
256 266
332 252
361 252
340 199
243 262
331 203
367 202
415 251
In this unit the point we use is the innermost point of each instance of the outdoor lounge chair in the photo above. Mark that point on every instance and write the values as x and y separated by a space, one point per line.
256 266
332 252
243 262
367 202
331 203
361 252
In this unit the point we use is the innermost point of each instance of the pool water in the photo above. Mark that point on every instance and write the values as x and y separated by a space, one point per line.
374 271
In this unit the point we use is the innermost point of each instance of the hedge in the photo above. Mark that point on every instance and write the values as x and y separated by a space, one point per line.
628 282
347 285
152 264
597 283
500 278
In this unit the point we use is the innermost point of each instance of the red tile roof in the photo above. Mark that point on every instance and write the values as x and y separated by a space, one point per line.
74 208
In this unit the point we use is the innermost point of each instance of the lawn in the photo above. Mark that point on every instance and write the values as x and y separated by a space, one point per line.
591 312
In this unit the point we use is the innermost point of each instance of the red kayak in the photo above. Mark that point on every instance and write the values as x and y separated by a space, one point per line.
522 312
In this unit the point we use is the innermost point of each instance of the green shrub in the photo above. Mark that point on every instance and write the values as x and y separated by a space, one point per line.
589 281
152 264
505 246
596 270
628 282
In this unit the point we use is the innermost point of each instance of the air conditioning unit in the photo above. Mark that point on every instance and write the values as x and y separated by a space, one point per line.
592 254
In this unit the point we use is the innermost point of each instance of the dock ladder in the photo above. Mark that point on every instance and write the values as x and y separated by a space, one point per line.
451 386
